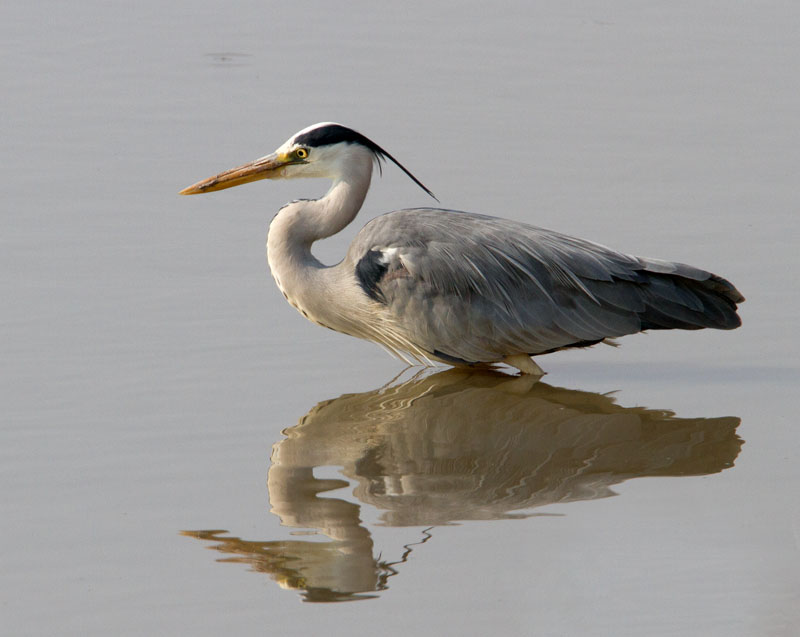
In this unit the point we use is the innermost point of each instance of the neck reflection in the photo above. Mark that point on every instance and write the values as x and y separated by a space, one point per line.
455 446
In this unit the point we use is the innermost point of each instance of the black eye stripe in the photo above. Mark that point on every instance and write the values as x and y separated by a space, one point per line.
336 133
333 134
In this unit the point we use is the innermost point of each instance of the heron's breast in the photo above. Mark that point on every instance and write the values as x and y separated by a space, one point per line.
312 309
293 300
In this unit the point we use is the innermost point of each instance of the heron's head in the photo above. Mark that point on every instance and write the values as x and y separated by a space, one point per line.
322 150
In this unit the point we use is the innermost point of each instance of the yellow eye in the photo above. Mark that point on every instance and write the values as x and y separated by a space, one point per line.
301 153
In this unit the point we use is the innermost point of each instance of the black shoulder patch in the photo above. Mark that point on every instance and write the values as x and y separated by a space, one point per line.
369 272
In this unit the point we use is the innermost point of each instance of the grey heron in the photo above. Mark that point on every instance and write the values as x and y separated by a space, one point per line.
461 288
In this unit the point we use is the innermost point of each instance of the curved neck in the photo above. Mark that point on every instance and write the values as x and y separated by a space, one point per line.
332 213
307 283
300 223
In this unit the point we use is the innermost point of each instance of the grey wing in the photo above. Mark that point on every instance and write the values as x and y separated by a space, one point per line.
470 288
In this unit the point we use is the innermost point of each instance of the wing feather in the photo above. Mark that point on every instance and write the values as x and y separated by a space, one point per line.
478 288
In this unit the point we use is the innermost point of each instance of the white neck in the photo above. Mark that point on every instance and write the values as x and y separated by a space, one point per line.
308 284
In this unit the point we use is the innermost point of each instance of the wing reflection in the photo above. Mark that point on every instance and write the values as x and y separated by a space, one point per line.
456 446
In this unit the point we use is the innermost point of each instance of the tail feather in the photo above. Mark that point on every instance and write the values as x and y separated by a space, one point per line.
688 298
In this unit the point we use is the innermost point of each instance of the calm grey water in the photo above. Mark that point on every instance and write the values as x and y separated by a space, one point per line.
161 399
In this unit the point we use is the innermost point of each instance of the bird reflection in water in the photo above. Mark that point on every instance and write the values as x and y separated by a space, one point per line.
450 447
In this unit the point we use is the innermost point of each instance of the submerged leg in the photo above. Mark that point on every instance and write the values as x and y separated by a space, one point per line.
524 364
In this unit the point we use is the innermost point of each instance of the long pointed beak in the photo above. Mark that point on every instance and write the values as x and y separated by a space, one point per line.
268 167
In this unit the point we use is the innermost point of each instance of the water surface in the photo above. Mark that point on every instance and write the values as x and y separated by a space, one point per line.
156 387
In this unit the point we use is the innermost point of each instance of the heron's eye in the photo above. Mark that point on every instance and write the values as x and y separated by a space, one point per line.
301 153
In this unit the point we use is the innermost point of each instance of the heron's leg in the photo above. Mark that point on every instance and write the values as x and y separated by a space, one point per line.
519 385
524 364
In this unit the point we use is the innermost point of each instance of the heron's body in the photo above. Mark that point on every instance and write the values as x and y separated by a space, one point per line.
458 287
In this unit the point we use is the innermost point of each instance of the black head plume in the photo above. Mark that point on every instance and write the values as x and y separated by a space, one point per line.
336 133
